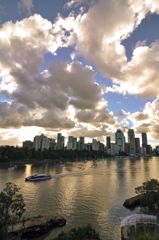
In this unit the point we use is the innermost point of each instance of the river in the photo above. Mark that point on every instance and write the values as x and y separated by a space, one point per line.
83 193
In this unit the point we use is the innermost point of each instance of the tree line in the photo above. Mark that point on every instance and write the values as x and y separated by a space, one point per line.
11 153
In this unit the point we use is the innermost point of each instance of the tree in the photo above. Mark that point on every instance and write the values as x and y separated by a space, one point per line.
12 207
150 193
81 233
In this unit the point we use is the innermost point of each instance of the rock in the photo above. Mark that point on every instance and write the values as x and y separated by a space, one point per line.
132 202
39 226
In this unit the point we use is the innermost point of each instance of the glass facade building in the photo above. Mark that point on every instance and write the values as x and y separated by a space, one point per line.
144 139
120 140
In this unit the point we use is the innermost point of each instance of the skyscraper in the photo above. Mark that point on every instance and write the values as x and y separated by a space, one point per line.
37 142
108 142
94 143
74 143
131 140
137 145
60 141
120 140
144 139
70 142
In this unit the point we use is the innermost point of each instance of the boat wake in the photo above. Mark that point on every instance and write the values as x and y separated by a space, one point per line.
72 174
68 174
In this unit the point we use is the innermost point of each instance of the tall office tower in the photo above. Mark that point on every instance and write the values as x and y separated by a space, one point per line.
114 149
81 139
98 146
131 140
62 142
144 140
53 145
94 143
37 142
108 142
101 147
70 142
137 145
127 148
45 143
58 141
74 143
120 140
148 149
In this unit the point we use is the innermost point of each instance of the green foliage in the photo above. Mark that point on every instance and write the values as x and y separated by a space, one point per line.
8 153
81 233
144 233
150 192
12 207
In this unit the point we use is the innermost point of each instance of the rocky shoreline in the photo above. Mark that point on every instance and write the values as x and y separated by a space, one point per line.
133 202
36 227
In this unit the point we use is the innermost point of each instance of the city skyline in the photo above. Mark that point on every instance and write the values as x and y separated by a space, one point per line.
82 68
132 146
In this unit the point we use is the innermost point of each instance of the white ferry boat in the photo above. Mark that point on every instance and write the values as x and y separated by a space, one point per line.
38 177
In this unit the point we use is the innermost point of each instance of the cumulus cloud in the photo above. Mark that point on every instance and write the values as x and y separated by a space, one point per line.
96 116
44 99
75 3
25 5
104 47
140 116
140 75
86 132
98 38
121 113
143 127
16 115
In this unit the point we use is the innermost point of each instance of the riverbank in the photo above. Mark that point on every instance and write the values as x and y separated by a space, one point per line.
36 226
23 162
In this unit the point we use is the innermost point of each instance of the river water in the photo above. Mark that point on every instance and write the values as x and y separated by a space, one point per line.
83 193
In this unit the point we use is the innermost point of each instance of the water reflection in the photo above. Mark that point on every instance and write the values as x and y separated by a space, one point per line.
91 192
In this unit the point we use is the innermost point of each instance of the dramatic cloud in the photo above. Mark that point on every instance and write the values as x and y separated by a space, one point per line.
44 99
140 116
15 115
96 116
140 76
66 95
91 133
97 37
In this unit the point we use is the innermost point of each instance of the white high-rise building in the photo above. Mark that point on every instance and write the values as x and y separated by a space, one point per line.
114 149
70 142
94 143
45 143
37 142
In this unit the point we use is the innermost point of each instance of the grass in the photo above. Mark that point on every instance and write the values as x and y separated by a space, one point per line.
145 233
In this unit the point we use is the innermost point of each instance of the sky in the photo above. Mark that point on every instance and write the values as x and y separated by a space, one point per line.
79 67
